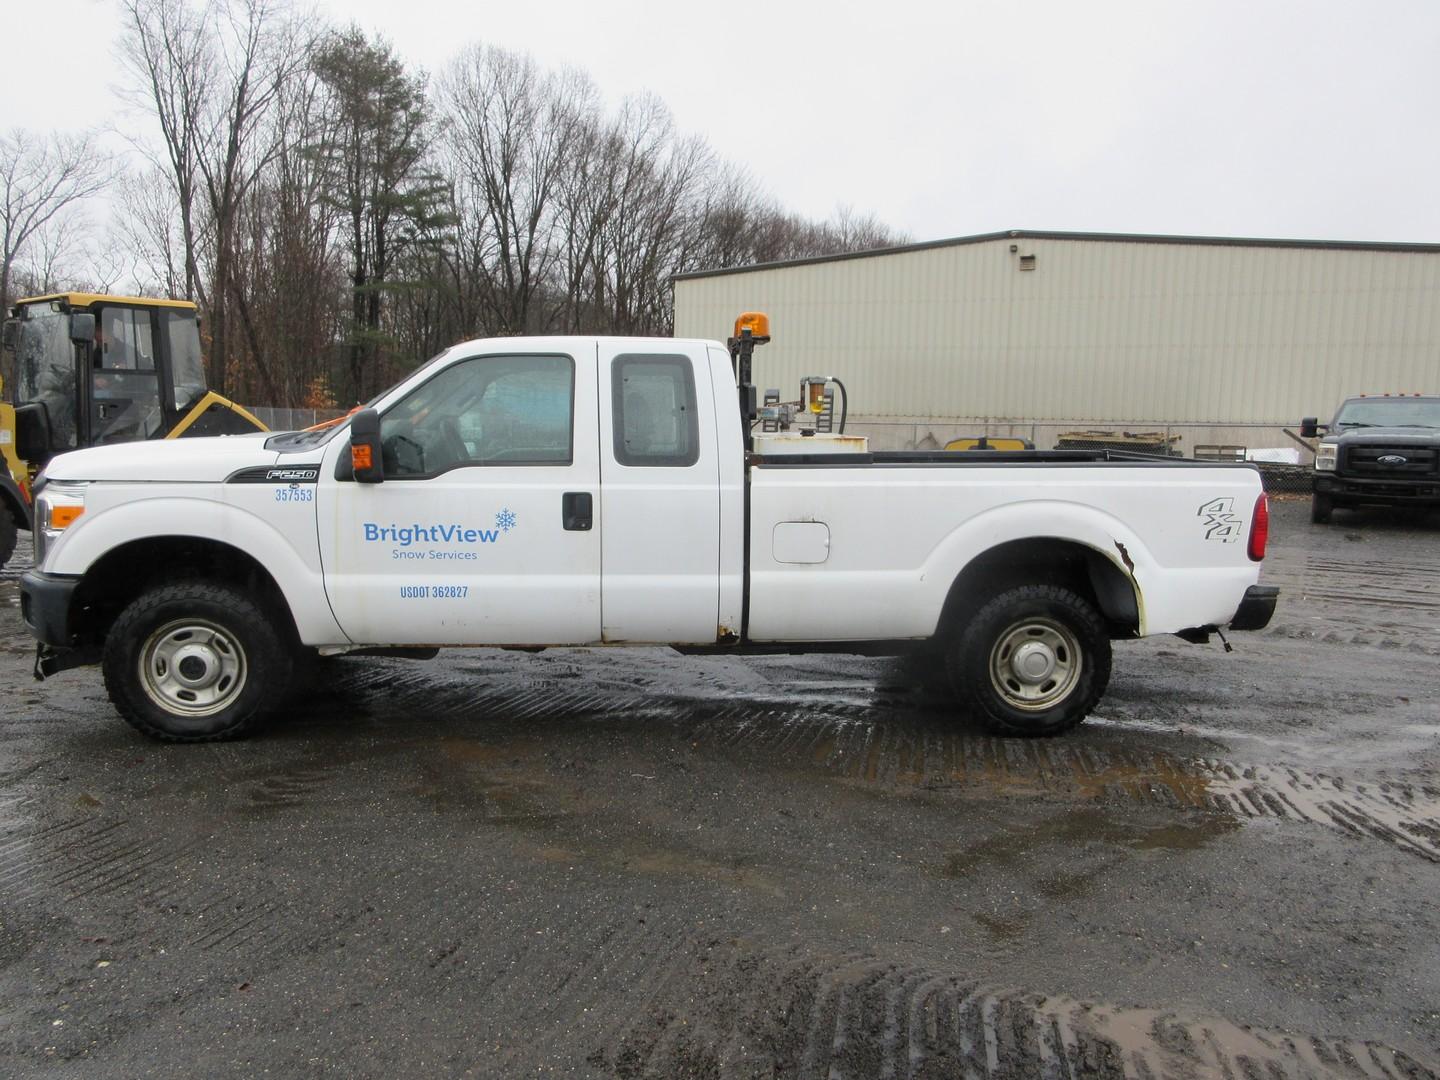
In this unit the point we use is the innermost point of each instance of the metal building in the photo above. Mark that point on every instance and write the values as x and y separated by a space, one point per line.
1226 340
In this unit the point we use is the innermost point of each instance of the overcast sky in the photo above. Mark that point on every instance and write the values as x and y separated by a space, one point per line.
1289 119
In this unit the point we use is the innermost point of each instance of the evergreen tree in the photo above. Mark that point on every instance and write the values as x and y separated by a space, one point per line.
378 180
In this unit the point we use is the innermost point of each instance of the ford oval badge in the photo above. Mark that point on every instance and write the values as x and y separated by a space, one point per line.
1392 459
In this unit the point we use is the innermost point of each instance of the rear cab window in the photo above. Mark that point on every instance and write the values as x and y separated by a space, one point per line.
655 417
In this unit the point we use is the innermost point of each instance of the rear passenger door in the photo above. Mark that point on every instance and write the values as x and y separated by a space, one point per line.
660 494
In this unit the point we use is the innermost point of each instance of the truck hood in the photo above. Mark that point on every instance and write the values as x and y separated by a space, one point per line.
1399 436
193 460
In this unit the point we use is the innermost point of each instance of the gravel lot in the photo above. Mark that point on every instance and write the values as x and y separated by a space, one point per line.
633 864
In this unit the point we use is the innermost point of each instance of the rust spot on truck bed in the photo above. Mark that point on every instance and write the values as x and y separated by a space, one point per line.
1125 557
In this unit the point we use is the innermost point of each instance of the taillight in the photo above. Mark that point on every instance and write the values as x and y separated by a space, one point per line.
1260 527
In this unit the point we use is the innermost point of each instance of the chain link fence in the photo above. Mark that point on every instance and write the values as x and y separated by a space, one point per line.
292 419
1285 460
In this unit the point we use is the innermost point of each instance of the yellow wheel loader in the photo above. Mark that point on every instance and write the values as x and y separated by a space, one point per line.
89 370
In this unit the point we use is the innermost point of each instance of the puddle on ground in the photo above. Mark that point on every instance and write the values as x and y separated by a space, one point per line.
904 755
1003 927
1076 828
896 749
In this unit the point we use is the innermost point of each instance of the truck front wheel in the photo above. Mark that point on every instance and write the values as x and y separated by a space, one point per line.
1034 660
1320 508
195 662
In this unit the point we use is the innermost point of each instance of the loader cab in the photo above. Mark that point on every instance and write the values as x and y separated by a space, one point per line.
95 370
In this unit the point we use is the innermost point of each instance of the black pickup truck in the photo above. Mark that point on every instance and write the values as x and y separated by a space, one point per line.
1382 451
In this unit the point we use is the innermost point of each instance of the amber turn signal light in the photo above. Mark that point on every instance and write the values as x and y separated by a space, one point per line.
360 457
62 517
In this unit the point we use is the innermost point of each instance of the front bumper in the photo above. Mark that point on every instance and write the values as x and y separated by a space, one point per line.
1255 611
1396 492
45 607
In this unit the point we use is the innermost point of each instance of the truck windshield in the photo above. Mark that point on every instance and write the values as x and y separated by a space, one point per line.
1389 412
45 371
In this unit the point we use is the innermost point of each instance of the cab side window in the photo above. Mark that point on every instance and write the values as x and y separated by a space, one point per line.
654 405
489 410
125 340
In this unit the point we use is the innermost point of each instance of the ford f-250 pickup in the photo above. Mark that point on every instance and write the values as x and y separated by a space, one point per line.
1378 451
531 492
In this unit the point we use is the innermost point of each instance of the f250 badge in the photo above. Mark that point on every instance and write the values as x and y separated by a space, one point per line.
293 476
1221 522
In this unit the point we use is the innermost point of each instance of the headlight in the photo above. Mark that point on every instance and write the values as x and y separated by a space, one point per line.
1325 457
57 507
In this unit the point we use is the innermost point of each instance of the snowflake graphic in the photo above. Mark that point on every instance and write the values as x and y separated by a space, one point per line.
505 519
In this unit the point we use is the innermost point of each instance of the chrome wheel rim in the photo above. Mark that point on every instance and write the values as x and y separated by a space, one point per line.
1035 664
192 667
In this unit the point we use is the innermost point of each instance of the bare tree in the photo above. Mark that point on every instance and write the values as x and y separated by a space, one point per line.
55 250
148 229
335 218
172 72
211 76
289 266
40 179
514 129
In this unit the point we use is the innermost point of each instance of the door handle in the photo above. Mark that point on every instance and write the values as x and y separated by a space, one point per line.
577 511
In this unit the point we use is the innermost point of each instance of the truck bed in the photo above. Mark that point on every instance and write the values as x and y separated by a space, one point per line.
958 458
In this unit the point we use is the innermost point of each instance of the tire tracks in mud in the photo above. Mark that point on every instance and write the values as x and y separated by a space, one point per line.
826 1017
900 753
107 858
1385 638
893 738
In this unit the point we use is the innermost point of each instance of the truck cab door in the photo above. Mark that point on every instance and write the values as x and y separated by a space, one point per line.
124 379
483 530
660 515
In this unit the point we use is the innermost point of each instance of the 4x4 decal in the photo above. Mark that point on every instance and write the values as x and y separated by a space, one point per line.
1221 522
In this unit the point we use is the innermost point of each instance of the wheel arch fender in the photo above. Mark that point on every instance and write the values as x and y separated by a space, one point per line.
222 541
1053 541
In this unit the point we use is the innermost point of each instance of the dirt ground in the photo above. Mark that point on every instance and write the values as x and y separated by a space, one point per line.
635 864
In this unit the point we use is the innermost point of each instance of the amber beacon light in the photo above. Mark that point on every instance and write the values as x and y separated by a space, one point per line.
757 322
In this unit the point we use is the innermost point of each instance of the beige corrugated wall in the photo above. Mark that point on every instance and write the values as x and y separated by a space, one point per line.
1103 330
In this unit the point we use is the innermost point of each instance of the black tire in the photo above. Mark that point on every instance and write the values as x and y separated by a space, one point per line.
1068 651
195 662
9 533
1320 508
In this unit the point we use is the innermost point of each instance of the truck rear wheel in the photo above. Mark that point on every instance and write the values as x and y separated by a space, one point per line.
1034 660
195 662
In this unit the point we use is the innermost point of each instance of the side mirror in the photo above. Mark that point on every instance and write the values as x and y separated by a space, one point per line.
82 328
32 433
1309 427
365 459
11 334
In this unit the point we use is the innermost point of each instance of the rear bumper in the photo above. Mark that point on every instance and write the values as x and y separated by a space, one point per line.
45 607
1256 608
1396 492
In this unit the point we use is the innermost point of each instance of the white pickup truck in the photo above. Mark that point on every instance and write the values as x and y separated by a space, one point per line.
532 492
